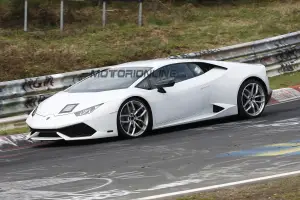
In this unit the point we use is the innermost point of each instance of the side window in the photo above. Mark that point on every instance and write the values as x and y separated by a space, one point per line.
199 68
144 84
180 72
196 69
158 75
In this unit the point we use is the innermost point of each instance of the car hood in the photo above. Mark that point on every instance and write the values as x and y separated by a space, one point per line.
54 104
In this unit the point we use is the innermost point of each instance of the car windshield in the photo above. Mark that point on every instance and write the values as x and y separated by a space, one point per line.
110 79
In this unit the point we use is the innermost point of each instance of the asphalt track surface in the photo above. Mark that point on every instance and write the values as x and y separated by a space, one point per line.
170 160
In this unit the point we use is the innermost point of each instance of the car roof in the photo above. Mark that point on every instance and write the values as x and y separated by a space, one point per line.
156 63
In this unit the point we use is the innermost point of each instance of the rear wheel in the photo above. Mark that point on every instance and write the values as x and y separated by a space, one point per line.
134 118
251 99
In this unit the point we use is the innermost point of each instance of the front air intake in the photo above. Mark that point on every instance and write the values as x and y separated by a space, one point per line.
47 134
77 130
43 132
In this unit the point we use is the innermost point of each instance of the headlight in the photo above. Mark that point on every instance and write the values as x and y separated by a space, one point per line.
87 110
68 108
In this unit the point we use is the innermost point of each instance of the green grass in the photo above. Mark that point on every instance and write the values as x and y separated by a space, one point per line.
285 80
281 189
168 30
14 131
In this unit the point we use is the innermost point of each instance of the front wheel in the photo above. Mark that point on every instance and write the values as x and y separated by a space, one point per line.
251 99
134 118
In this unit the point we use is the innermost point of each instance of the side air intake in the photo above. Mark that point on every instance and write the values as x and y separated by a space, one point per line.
217 109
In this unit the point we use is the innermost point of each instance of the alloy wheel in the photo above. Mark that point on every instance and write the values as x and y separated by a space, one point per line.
253 99
134 118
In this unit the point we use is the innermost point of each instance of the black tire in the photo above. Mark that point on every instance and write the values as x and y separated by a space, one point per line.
122 128
242 112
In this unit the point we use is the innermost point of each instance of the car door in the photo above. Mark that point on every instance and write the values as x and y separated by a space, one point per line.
186 99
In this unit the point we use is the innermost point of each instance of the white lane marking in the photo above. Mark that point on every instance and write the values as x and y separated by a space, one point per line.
218 186
171 185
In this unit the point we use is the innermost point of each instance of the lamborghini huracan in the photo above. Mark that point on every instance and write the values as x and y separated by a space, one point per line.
133 98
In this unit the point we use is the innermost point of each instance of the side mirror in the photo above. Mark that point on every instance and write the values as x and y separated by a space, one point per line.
164 83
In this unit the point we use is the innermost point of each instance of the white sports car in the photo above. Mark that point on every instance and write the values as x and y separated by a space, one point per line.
131 99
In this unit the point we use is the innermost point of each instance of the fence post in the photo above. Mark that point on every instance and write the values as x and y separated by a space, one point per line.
25 14
140 17
61 15
103 13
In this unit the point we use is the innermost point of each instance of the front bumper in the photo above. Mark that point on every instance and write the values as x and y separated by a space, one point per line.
70 127
81 130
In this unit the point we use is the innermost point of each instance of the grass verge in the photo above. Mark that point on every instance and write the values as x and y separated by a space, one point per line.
280 189
285 80
169 29
14 131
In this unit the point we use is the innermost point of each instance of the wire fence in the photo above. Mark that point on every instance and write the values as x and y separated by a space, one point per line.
104 12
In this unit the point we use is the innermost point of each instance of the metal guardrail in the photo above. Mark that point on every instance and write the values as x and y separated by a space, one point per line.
280 54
